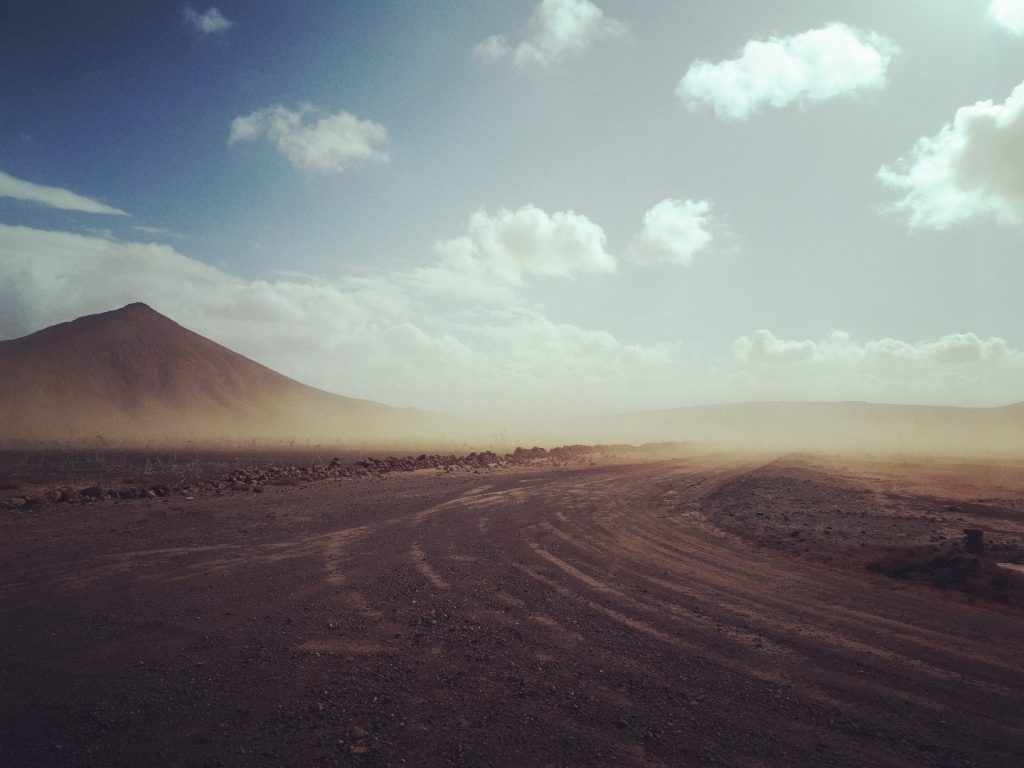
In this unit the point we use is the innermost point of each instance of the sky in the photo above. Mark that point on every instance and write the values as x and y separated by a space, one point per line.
564 207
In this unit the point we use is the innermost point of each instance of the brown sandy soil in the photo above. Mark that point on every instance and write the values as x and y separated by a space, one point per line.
591 615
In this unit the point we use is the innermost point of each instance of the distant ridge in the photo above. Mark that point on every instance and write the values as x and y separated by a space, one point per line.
851 426
134 376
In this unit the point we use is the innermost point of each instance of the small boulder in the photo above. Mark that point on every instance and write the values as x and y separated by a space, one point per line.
92 492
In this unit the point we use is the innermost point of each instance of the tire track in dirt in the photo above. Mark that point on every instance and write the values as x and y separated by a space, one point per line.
728 582
553 616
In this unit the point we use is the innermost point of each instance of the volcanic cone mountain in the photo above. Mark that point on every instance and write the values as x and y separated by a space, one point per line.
135 376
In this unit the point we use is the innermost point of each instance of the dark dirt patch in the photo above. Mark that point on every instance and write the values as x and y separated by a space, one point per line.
815 513
952 568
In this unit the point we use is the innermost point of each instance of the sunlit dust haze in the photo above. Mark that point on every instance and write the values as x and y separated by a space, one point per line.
566 219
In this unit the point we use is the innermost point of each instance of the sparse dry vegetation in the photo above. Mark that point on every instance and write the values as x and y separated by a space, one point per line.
952 568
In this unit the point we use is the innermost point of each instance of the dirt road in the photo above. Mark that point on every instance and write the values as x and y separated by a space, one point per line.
589 615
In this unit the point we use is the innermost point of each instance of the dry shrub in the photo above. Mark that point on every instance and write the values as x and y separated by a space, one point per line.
952 568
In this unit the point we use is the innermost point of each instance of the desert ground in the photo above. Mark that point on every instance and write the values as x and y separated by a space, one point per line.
700 610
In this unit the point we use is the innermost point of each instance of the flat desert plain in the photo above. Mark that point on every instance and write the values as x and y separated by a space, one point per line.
691 611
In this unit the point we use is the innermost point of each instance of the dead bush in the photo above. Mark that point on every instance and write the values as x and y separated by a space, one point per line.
952 568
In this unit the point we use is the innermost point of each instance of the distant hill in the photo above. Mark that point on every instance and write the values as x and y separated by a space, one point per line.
138 378
838 426
135 376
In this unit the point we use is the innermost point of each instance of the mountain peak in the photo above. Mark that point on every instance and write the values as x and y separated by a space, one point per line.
137 375
136 309
137 306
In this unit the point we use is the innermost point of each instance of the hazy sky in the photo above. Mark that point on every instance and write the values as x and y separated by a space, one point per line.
560 207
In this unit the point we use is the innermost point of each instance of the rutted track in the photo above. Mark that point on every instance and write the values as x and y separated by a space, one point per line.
519 617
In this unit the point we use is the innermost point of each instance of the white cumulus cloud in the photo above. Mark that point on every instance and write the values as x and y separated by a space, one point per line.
210 22
53 197
763 346
558 30
500 249
812 66
673 231
492 48
970 169
1008 14
328 143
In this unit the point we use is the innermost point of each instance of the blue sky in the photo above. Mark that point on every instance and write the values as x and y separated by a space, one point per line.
564 206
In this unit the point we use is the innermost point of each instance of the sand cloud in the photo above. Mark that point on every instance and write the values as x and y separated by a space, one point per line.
210 22
763 346
813 66
969 170
558 30
366 337
387 336
52 197
673 232
1008 14
329 143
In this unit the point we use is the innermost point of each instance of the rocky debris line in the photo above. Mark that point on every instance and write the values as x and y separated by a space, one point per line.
91 493
255 480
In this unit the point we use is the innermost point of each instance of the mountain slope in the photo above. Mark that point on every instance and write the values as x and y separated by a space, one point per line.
133 375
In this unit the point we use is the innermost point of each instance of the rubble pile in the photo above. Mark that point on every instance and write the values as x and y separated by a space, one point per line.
255 480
